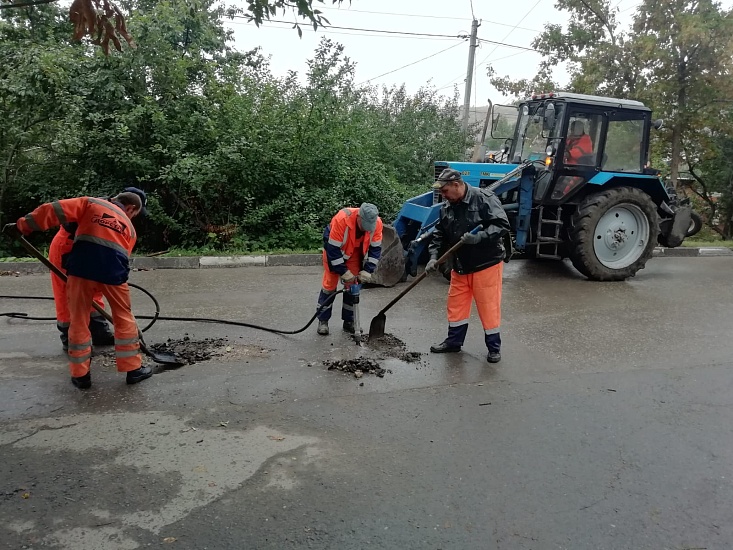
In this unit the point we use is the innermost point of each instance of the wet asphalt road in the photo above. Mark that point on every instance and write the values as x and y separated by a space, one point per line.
607 425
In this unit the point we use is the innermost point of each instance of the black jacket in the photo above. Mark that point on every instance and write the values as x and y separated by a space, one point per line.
479 206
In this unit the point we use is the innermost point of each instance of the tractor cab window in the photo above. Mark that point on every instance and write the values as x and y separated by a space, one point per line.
535 128
582 139
624 143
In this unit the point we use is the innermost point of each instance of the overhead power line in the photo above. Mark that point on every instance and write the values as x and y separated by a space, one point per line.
289 27
423 16
405 33
413 63
510 32
380 31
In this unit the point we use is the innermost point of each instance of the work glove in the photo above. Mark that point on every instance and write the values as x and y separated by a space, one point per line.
348 277
431 266
11 229
365 277
470 238
508 247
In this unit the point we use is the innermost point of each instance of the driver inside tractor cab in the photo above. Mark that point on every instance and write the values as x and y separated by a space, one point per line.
578 143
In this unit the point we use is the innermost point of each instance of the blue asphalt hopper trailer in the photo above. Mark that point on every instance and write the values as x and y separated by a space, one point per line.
575 182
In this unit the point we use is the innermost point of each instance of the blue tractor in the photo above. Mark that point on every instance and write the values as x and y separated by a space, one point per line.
574 180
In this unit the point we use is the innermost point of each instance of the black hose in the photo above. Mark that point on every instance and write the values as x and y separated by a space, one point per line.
158 317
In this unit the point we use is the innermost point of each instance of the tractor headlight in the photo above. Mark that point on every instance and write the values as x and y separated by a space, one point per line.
550 150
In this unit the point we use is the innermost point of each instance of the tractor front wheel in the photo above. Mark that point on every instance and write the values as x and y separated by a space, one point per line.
613 234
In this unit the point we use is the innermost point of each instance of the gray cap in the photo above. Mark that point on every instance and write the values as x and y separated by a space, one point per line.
447 176
368 215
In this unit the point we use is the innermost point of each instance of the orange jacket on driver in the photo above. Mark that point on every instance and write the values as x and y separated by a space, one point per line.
103 242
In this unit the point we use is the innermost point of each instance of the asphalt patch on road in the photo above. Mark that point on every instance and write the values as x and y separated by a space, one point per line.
358 367
191 351
392 346
188 350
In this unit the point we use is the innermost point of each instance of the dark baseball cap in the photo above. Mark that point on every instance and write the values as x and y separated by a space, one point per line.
143 197
447 176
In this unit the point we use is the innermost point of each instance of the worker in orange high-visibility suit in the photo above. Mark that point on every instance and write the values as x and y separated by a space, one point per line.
578 144
352 246
61 245
477 265
98 262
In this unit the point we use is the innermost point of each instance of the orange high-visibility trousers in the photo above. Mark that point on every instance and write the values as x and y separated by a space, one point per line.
485 288
61 245
127 343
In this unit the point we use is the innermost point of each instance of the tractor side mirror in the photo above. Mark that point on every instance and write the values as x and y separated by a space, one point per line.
548 122
658 124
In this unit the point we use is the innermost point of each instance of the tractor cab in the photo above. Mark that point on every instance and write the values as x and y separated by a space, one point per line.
574 137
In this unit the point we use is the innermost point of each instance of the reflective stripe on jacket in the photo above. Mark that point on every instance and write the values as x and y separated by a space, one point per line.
340 242
104 237
478 207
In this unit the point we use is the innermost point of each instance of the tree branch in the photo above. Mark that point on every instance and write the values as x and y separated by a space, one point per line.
26 4
602 20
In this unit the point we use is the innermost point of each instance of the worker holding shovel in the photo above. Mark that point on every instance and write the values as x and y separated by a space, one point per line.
352 246
58 254
98 262
477 264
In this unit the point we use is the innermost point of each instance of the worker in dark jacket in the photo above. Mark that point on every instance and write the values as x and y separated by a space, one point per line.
58 253
99 261
477 265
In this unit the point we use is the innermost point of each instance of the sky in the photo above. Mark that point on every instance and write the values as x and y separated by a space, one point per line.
515 23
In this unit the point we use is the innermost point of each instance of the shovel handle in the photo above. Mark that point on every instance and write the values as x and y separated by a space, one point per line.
424 274
56 271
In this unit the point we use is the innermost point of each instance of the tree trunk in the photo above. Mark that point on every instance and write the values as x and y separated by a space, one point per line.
674 167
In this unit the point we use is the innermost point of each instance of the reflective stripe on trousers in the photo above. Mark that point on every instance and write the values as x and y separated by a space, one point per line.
127 347
485 288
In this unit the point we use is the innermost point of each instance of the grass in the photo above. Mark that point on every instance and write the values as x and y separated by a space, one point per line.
708 243
177 253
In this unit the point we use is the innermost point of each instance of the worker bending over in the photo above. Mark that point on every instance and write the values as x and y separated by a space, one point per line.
98 263
352 246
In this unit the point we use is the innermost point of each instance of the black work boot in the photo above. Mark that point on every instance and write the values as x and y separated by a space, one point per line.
349 327
83 382
64 336
445 347
102 334
493 356
323 328
138 375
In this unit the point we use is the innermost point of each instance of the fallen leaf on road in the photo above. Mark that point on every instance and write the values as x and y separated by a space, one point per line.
169 539
224 424
275 437
26 495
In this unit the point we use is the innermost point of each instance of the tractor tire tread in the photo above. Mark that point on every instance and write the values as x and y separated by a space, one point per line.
582 253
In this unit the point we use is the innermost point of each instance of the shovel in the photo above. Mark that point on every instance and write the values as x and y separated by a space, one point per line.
159 357
376 328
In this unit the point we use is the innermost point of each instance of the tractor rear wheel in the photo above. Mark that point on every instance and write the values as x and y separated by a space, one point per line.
613 234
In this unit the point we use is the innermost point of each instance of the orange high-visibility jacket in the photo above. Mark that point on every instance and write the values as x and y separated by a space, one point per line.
576 147
103 242
339 242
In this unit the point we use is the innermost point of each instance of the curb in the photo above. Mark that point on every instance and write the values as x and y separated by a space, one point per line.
143 263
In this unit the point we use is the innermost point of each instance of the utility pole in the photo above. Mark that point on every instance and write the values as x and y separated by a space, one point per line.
469 73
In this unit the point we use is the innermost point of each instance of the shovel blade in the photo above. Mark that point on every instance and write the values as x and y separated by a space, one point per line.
163 357
376 328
